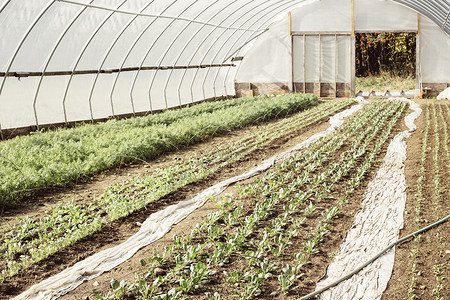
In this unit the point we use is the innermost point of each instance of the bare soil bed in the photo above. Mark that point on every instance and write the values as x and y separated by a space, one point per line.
422 265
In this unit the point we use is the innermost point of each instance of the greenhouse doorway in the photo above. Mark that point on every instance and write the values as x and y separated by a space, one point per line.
386 64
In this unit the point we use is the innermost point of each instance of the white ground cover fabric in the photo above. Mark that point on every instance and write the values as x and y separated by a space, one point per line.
158 224
376 226
445 94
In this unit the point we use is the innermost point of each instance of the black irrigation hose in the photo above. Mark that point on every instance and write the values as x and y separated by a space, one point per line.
345 277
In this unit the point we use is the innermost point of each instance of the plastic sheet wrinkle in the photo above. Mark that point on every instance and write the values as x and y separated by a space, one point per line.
376 225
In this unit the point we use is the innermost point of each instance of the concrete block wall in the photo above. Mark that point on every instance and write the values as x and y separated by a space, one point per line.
261 89
324 90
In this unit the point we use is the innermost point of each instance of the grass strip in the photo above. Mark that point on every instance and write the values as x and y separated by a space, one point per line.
385 81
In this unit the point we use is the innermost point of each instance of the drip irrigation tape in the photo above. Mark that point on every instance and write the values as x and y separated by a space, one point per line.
379 254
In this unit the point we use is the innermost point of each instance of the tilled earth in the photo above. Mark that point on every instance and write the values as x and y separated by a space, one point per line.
431 250
313 271
117 232
422 266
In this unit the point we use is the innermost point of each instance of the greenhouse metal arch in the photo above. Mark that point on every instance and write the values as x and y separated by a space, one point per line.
67 61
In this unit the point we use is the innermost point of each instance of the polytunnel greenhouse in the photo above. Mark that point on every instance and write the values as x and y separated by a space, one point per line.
224 149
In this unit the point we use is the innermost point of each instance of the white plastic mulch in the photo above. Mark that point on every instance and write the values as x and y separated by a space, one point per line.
157 225
445 94
375 227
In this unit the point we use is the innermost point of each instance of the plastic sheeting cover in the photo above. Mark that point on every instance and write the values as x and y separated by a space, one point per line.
376 226
434 53
445 94
321 15
91 34
334 64
327 17
157 225
79 35
382 15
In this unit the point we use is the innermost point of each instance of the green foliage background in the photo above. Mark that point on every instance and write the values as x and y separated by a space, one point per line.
393 53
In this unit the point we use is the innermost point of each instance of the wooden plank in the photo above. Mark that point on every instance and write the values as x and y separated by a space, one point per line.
419 85
386 31
289 23
320 65
336 53
353 17
353 65
291 85
292 88
304 64
324 33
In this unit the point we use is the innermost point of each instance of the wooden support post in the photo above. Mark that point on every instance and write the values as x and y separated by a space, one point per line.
335 64
418 63
304 63
293 89
353 17
320 66
418 24
291 84
353 53
353 66
289 23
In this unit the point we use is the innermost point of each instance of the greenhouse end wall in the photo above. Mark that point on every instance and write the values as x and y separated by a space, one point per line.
313 50
87 60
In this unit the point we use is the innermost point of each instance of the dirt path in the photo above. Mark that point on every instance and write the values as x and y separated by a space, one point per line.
422 266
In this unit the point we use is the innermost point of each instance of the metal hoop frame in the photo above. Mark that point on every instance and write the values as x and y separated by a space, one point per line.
185 47
252 11
194 53
213 44
276 11
100 26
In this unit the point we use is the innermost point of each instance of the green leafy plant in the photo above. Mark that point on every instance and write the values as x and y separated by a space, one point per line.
293 207
198 274
59 158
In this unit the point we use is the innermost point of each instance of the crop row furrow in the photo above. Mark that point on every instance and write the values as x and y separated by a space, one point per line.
436 165
286 126
246 145
444 125
280 217
313 158
119 200
151 191
261 139
438 269
322 183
